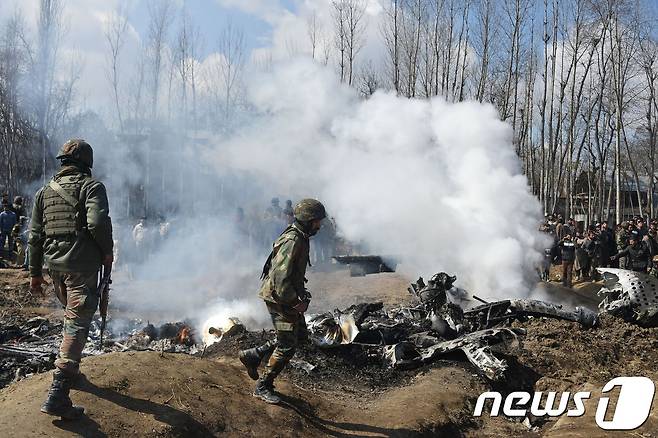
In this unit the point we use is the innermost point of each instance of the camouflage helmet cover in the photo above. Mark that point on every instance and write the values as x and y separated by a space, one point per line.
307 210
77 150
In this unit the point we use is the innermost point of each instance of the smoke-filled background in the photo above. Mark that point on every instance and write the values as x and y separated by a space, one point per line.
395 117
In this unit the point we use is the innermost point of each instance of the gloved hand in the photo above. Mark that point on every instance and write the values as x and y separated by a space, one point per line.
302 306
304 301
107 261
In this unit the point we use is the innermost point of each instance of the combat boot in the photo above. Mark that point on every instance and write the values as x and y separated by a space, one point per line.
252 357
58 402
265 391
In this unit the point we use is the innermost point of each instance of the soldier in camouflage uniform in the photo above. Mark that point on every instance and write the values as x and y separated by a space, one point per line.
621 241
653 271
71 231
286 297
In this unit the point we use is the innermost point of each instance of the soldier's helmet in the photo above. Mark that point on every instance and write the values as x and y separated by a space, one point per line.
18 200
77 150
275 201
307 210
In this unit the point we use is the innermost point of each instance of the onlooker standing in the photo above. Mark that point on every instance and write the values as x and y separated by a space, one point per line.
568 252
621 242
288 214
7 221
607 243
636 253
18 208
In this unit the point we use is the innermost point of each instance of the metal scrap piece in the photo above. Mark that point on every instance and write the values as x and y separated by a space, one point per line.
501 312
630 295
362 265
303 365
477 347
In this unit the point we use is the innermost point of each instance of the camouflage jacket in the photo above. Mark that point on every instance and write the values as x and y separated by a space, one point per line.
283 281
81 251
621 240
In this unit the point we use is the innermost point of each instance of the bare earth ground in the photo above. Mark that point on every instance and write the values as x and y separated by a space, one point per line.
177 395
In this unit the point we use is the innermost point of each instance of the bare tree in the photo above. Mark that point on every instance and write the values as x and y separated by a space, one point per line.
186 48
369 80
115 30
231 67
340 38
314 31
391 33
160 20
648 59
49 27
486 18
17 133
349 28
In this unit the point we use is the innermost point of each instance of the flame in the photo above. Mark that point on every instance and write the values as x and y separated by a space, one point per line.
216 327
184 336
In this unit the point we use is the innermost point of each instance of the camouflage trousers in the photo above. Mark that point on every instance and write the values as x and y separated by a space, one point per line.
291 331
77 293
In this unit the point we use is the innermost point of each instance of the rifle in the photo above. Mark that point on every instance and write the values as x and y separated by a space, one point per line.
104 297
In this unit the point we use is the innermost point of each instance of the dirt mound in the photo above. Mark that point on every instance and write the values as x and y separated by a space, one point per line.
179 395
176 395
337 290
568 353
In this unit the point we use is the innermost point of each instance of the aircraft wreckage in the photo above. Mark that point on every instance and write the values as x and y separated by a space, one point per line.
630 295
407 337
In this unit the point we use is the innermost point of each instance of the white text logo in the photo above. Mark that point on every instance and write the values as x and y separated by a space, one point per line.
631 411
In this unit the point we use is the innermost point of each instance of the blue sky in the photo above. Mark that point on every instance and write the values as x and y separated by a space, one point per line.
210 16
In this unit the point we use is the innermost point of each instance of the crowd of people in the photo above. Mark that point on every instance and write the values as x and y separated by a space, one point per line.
632 245
261 230
13 231
257 231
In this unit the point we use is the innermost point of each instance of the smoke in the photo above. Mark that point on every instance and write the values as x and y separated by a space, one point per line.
203 268
434 184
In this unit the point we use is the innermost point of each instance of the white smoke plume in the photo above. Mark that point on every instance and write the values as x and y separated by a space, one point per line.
433 184
436 185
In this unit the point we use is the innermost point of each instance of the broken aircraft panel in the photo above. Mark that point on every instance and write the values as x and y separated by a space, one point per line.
407 337
477 347
630 295
502 312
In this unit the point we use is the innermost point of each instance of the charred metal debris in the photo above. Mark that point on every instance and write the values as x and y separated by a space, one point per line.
630 295
440 323
361 266
31 346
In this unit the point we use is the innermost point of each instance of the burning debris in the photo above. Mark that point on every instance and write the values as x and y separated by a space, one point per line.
408 337
630 295
31 347
169 337
27 348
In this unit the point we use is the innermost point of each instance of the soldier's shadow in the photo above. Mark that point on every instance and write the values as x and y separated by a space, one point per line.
83 426
182 424
340 429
